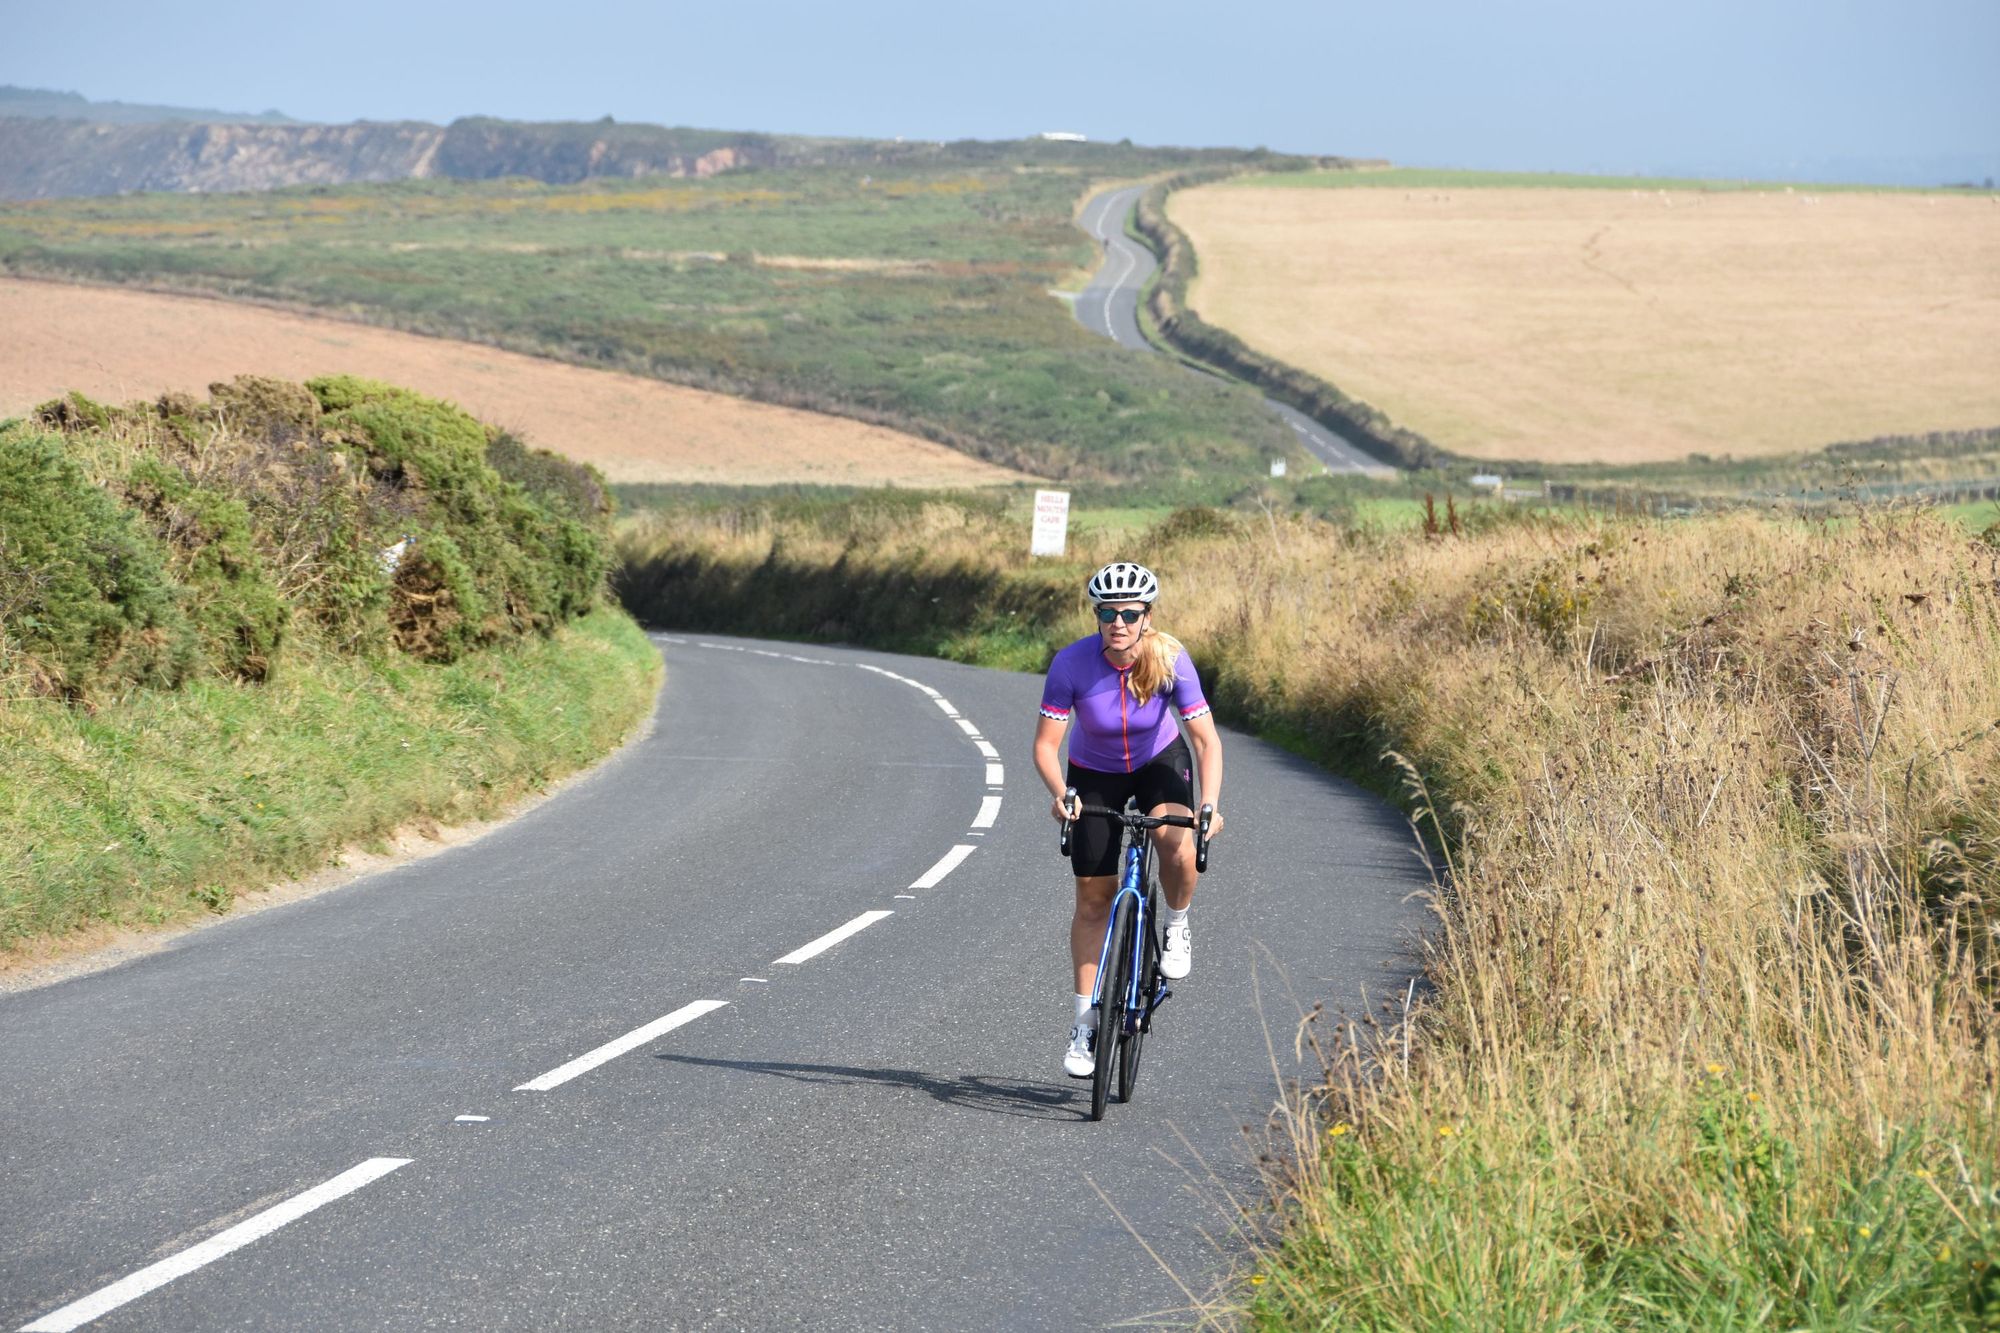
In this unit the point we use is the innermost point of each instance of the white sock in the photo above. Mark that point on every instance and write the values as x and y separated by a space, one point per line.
1084 1016
1179 918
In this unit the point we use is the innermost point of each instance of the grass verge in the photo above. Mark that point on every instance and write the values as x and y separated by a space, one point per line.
165 804
1710 1037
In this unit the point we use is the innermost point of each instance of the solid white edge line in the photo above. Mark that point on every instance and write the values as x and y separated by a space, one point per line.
106 1299
833 937
996 775
947 863
989 810
611 1050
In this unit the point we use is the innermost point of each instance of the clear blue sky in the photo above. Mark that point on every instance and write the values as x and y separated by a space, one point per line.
1749 87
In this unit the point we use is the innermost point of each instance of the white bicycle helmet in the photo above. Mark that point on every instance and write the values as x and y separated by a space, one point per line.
1123 581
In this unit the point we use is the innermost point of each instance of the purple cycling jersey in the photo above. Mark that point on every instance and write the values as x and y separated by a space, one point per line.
1115 733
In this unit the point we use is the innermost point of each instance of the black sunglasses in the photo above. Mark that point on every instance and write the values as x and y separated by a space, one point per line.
1130 615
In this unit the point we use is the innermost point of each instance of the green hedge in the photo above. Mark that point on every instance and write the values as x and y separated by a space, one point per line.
143 544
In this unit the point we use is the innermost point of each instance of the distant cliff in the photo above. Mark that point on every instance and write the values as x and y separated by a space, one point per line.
44 158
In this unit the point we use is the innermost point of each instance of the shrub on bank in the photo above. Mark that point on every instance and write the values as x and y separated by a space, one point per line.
148 541
240 632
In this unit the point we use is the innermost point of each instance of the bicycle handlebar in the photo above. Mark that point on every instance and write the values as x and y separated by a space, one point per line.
1140 823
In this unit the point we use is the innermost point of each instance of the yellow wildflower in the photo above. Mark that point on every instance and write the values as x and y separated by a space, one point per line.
1866 1232
1944 1254
1752 1097
1444 1131
1716 1070
1923 1173
1256 1279
1338 1130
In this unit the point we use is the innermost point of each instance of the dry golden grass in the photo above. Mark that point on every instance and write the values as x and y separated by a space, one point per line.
1710 1036
1572 325
117 345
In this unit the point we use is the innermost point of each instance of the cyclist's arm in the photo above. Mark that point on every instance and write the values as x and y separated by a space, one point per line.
1207 744
1048 758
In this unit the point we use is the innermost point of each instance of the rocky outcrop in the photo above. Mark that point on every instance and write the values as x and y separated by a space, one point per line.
42 159
483 149
47 158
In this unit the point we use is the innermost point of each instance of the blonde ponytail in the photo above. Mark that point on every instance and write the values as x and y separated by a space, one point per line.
1153 670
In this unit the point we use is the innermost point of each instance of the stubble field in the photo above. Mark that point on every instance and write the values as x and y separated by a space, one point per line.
1617 325
121 345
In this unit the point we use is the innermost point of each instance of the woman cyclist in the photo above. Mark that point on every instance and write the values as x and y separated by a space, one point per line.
1125 688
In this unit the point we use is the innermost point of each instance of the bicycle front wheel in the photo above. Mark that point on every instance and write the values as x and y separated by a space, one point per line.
1111 1034
1143 955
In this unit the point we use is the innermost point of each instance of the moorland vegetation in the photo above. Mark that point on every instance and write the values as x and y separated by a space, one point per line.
1708 1036
914 294
237 633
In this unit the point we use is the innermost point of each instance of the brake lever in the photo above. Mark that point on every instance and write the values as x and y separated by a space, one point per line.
1069 795
1201 839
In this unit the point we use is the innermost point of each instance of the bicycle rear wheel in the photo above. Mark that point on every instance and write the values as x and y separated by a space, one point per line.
1111 1033
1134 1042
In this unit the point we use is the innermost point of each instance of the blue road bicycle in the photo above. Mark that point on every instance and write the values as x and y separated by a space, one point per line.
1129 986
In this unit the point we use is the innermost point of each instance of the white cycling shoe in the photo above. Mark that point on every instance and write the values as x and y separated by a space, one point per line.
1080 1060
1177 959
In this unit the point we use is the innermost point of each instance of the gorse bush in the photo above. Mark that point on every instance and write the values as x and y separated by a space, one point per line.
140 544
209 611
85 600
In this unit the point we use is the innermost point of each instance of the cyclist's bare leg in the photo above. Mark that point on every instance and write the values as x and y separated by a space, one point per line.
1175 849
1086 929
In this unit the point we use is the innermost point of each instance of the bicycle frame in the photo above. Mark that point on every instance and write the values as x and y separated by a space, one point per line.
1136 1011
1133 884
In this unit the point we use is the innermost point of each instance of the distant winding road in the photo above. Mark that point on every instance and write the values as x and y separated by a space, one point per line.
1110 306
756 1027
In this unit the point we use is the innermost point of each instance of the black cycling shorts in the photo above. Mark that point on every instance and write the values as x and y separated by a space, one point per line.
1165 779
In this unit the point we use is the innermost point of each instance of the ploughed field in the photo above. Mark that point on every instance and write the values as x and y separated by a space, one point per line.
1619 325
115 345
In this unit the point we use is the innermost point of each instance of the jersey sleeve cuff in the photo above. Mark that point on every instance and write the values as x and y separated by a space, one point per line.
1193 711
1054 714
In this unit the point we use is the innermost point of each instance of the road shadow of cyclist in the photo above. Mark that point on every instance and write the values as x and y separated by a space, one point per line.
978 1092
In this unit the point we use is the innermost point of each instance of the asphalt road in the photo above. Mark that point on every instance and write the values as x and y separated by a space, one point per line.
1110 306
266 1124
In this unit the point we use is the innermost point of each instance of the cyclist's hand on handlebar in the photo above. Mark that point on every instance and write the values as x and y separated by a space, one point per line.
1074 810
1214 825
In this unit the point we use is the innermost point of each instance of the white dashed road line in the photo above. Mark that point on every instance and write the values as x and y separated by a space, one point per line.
107 1299
833 937
611 1050
947 863
147 1279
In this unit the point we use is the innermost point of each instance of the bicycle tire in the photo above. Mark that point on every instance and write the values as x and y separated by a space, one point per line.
1134 1042
1111 1011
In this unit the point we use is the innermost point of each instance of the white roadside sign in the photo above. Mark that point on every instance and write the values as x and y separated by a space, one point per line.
1051 523
1277 467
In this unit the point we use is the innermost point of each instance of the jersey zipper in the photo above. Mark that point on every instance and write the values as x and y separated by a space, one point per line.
1124 722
